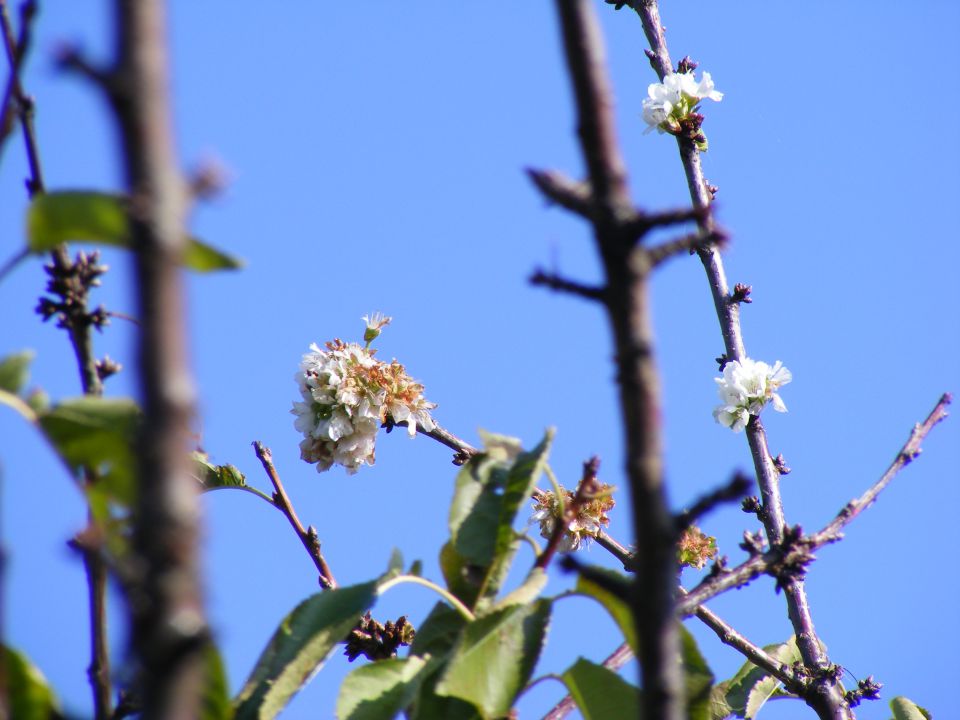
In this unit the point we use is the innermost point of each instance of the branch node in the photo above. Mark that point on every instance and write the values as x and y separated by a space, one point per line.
741 294
781 465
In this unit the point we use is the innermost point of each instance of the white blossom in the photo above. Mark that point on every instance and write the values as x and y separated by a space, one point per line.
346 395
745 389
670 101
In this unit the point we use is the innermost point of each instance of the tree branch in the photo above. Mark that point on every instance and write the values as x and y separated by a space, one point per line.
281 500
169 629
830 702
629 313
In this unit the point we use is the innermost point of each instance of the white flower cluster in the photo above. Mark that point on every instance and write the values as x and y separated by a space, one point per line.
745 388
672 100
347 395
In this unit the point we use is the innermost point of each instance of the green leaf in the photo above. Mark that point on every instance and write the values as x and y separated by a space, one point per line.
299 647
904 709
719 707
29 697
530 590
99 434
216 695
495 656
609 587
751 686
79 216
15 371
438 632
600 693
487 497
380 690
698 677
217 477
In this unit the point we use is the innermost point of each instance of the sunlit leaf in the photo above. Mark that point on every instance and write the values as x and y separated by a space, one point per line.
495 656
751 687
380 690
28 696
15 371
299 647
217 477
94 217
600 693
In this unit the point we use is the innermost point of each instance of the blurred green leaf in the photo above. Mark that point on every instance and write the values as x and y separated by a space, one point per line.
80 216
487 497
530 590
299 647
438 632
600 693
380 690
28 695
751 687
216 694
904 709
15 371
698 677
609 588
436 636
99 434
495 656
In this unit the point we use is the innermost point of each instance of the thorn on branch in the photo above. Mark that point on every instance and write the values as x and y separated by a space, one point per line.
722 360
741 294
691 243
208 179
107 367
718 568
793 558
70 59
736 488
641 223
558 188
555 282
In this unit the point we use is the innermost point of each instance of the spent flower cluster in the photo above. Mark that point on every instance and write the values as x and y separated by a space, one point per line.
584 520
672 106
347 395
745 388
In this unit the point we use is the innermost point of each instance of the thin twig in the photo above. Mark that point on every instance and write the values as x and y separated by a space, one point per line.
907 454
95 567
734 490
282 502
462 449
830 702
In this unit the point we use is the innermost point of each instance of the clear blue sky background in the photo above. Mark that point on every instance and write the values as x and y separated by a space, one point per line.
376 152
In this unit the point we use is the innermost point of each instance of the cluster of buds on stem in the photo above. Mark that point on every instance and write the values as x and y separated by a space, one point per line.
347 395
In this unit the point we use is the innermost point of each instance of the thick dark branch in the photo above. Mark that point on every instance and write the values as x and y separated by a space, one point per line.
586 63
560 284
169 628
627 304
308 537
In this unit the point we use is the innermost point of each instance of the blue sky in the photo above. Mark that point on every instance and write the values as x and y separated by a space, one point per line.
376 155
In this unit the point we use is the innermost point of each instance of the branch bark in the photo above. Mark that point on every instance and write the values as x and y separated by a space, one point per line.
626 268
169 629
